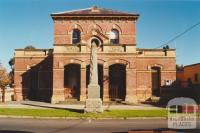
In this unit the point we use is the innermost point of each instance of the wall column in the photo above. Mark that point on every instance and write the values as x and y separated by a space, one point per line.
18 92
131 96
105 83
83 90
58 85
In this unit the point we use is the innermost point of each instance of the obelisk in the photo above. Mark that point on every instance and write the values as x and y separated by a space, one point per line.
93 102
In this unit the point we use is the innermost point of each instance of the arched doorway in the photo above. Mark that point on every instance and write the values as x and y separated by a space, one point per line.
100 78
72 81
117 81
155 80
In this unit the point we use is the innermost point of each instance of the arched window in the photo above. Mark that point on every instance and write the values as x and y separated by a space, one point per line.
76 36
114 36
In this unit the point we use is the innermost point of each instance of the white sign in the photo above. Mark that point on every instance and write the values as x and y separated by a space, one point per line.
182 113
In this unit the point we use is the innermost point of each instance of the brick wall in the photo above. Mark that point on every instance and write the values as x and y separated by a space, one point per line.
23 76
189 73
63 29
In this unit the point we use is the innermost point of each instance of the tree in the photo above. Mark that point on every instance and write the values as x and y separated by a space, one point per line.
11 74
4 81
4 77
11 62
29 47
179 67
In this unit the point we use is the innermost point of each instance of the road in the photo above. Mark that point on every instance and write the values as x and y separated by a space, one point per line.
11 125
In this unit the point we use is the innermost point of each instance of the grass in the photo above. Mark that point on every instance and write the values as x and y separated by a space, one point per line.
135 113
68 113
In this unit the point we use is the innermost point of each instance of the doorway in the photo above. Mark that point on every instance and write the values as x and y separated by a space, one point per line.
117 82
156 80
72 81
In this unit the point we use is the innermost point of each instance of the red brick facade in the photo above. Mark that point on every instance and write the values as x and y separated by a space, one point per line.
190 75
62 73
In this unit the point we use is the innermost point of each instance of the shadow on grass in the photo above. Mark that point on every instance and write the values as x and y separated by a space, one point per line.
50 107
13 131
154 103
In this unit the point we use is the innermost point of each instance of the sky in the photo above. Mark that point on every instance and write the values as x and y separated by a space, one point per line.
28 22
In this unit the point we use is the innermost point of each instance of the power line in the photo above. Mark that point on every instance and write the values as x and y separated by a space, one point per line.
179 35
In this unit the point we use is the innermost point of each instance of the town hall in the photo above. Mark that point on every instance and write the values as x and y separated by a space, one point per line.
62 73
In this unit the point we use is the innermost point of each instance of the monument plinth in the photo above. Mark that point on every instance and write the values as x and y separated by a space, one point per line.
93 102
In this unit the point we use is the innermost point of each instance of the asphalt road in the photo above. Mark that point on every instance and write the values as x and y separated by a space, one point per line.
11 125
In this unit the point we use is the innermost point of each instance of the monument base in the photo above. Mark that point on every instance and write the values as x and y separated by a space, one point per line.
93 105
131 99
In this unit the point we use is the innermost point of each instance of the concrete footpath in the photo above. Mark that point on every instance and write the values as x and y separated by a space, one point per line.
43 105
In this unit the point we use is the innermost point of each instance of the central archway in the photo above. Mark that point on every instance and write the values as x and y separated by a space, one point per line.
117 82
72 81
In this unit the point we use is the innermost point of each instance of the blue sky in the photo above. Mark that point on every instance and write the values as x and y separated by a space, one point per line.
25 22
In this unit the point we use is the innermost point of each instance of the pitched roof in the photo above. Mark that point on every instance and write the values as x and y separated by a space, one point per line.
94 11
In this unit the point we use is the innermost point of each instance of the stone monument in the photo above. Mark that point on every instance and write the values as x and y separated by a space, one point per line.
93 102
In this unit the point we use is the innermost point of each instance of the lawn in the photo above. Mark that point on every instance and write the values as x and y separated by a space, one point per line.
72 113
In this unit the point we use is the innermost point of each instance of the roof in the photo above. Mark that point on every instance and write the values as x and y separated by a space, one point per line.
94 11
148 49
22 49
192 65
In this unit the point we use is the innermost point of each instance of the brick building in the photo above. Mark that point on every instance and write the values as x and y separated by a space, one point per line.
190 75
124 71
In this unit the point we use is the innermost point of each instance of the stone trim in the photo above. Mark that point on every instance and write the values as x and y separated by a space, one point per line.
149 71
61 64
119 61
20 71
155 65
30 56
114 26
58 69
111 54
75 26
99 61
100 17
